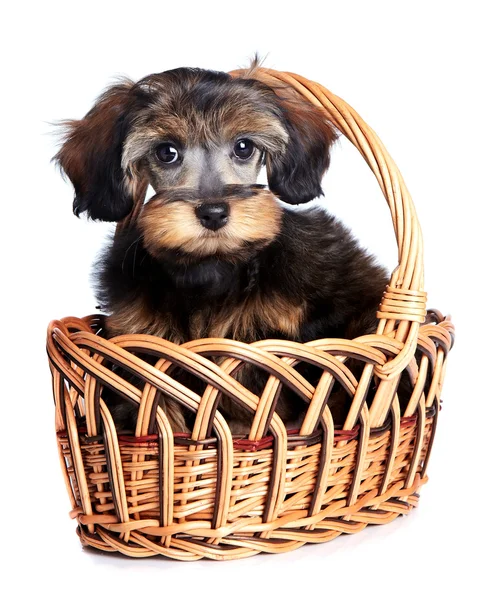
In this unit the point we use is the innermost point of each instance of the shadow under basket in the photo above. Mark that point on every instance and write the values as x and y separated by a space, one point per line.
211 494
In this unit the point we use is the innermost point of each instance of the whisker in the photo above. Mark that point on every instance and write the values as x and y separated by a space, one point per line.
129 247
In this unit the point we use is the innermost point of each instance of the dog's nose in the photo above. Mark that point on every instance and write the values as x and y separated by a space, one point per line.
213 216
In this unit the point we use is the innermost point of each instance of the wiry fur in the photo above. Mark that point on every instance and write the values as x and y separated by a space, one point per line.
270 272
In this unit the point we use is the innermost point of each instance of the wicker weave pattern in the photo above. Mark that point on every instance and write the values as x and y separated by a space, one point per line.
209 495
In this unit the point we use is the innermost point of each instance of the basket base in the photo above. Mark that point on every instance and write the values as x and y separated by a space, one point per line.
233 546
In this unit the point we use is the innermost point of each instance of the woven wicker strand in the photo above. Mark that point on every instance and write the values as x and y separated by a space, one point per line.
207 494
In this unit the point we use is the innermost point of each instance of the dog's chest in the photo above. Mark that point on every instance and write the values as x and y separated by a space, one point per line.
256 317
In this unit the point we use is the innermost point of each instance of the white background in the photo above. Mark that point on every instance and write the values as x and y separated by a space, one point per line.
417 73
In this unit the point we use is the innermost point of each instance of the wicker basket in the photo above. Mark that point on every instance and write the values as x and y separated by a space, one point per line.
207 494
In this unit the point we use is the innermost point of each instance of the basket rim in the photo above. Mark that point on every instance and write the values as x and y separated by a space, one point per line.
72 337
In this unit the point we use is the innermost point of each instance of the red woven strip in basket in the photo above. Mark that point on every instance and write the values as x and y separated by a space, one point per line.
340 435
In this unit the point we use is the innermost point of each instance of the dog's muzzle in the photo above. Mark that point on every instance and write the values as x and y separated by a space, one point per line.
213 216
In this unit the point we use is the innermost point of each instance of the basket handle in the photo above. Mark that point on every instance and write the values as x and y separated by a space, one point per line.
403 305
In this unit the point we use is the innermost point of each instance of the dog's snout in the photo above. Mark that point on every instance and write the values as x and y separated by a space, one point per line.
213 216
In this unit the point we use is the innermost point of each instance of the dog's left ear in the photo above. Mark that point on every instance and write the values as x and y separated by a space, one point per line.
91 156
295 176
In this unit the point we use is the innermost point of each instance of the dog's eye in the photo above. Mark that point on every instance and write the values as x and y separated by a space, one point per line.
167 153
243 149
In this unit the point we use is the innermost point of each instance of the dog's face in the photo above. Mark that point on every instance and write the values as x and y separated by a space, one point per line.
199 138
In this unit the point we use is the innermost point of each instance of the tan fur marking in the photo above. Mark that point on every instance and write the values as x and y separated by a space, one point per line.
272 312
262 128
256 313
240 323
131 318
175 226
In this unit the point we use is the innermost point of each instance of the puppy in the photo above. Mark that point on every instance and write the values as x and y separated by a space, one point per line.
212 253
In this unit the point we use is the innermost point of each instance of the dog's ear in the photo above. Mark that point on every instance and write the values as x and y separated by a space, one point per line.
295 175
91 156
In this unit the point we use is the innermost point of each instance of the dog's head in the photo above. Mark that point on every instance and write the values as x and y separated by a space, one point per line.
199 138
